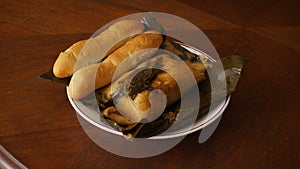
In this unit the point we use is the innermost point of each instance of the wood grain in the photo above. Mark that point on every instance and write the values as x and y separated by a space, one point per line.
259 129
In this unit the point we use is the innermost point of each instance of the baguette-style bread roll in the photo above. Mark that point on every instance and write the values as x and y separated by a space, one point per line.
138 108
95 49
64 64
95 76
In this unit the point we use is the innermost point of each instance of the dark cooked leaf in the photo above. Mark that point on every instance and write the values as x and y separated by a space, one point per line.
151 23
233 65
142 81
51 78
179 51
120 127
143 130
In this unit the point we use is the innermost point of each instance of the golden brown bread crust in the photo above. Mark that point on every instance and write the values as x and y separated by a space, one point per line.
96 76
64 64
91 51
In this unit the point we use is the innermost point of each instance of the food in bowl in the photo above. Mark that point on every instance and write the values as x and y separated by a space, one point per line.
154 61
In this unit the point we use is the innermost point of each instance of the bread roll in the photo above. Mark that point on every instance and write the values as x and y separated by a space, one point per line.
95 76
64 64
91 51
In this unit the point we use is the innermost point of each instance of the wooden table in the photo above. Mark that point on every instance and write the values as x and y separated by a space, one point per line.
259 129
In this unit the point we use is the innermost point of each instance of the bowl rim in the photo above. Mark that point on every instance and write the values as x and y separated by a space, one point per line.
197 126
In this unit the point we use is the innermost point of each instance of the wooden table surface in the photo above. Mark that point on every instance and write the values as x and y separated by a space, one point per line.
259 129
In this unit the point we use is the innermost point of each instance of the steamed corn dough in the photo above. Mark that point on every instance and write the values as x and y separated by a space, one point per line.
138 108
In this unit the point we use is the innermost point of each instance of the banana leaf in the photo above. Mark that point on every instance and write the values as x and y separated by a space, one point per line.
232 65
51 78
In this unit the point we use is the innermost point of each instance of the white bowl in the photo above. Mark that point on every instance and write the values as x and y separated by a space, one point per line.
93 117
